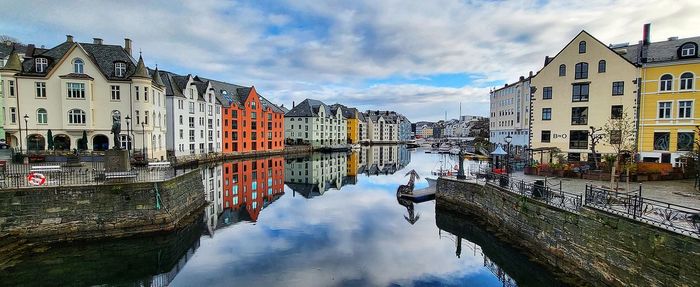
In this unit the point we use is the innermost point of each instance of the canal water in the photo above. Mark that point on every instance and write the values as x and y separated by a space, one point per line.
307 220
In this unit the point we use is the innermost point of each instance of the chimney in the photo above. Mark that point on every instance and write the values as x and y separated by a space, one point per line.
646 36
546 60
530 74
69 38
97 41
293 104
522 78
127 45
30 51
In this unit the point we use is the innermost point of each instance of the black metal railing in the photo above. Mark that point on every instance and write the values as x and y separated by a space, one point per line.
538 189
674 217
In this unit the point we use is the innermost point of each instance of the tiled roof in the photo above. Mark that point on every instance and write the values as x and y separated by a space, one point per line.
309 108
662 51
171 87
228 94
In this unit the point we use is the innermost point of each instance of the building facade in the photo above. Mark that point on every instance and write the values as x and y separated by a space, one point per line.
315 174
355 122
81 88
584 85
250 185
510 113
668 112
315 123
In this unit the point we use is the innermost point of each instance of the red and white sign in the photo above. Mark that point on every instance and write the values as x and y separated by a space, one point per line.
36 178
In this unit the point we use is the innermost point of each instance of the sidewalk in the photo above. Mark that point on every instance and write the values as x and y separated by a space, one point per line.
679 192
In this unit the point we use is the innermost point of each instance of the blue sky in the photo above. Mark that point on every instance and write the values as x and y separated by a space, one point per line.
421 58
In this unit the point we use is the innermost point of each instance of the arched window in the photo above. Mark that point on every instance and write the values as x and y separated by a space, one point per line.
581 71
119 69
666 83
689 50
76 116
601 66
687 81
582 47
41 116
41 64
78 66
562 70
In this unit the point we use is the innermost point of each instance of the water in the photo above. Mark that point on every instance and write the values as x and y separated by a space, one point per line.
342 228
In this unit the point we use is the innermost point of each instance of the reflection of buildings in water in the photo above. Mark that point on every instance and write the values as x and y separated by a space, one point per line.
313 175
248 187
477 251
211 180
382 159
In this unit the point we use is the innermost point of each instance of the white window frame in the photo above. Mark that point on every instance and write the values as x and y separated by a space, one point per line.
40 64
119 69
669 108
40 88
688 52
76 114
42 118
75 90
682 110
665 83
683 83
78 66
116 93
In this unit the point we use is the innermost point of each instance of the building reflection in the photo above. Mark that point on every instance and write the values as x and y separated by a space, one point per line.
239 190
314 174
382 159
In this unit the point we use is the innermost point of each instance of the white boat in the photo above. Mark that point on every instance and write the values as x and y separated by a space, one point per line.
454 150
431 181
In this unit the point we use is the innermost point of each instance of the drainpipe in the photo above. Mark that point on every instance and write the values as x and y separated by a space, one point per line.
19 123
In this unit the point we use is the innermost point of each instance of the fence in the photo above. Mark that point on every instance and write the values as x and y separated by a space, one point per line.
538 189
674 217
63 174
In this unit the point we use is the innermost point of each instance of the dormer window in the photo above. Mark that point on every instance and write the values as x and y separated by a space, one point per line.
689 50
78 66
119 69
582 47
41 64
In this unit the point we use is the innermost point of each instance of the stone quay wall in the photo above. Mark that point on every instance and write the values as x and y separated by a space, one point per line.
52 214
599 248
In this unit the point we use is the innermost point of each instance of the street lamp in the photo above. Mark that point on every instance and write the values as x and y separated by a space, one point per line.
508 139
26 130
128 134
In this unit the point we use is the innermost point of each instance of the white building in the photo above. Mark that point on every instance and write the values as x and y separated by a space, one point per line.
315 174
315 123
382 127
510 113
77 88
194 129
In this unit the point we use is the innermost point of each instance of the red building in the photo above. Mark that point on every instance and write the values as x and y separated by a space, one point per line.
251 185
249 122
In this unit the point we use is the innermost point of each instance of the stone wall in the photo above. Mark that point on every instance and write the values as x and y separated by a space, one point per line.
49 214
597 247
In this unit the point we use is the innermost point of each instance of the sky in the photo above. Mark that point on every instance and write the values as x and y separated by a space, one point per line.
419 58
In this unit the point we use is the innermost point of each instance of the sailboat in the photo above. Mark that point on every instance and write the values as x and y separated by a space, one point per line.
441 172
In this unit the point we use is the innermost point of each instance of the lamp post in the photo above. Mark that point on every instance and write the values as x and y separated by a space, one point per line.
508 139
26 130
128 134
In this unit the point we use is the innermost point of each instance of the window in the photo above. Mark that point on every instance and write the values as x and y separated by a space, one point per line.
76 116
615 137
582 47
40 89
145 94
76 90
601 66
138 118
40 64
562 70
546 114
191 138
78 66
116 95
664 110
547 93
145 118
41 116
666 83
192 122
579 116
685 109
119 69
685 141
11 87
13 115
616 112
191 107
687 81
546 136
581 71
578 140
661 140
618 88
688 50
580 93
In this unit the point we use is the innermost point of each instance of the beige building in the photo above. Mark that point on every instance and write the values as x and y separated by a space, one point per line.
583 85
77 88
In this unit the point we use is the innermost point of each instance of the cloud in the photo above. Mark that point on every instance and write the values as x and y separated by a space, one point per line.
297 49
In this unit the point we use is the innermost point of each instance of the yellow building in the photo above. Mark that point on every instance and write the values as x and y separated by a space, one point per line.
353 164
584 85
353 122
668 96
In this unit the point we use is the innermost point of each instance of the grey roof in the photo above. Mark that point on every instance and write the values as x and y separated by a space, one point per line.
228 93
171 84
7 48
307 190
348 113
309 108
662 51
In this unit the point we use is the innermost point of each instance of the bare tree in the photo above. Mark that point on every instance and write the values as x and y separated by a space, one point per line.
596 136
620 135
8 39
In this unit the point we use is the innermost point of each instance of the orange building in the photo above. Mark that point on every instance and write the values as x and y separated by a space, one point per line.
252 184
250 122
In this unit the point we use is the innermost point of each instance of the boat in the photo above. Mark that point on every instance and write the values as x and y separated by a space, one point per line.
454 150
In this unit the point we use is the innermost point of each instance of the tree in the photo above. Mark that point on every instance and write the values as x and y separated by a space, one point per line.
49 139
82 143
620 134
8 39
596 136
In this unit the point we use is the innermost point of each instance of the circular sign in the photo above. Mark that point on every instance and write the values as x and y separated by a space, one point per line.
36 178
